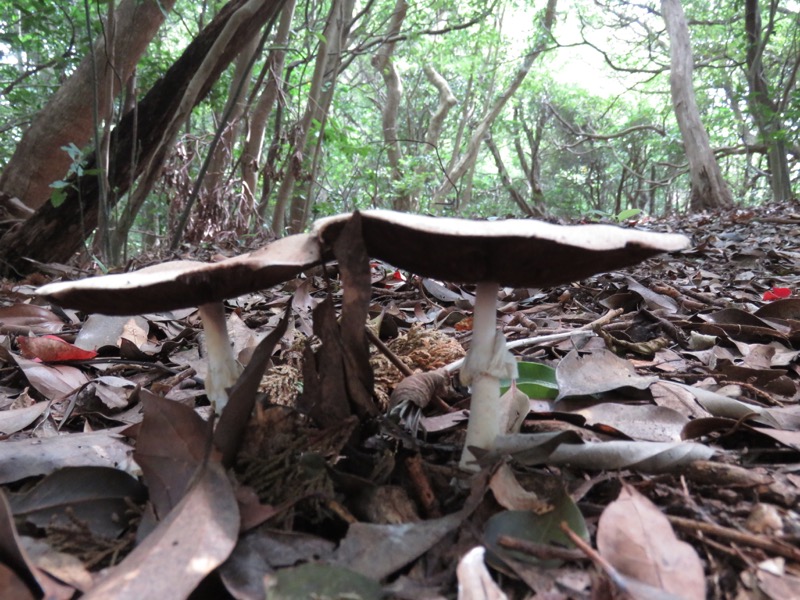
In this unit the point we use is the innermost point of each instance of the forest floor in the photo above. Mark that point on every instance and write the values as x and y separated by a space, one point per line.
659 459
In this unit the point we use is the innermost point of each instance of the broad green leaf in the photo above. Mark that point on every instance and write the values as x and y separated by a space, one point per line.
536 381
540 529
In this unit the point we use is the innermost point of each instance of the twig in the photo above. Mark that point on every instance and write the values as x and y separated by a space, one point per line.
386 351
741 537
584 330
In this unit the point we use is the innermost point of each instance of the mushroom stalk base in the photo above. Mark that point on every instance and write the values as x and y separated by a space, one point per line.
223 368
487 361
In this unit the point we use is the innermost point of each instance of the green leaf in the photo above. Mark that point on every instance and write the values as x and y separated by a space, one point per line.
628 214
536 380
57 197
540 529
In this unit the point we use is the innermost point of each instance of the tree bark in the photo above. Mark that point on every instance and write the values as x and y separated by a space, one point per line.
505 178
382 62
251 153
38 159
294 162
53 234
765 111
709 190
463 164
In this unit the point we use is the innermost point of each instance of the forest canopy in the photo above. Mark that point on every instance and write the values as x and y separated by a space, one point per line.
134 124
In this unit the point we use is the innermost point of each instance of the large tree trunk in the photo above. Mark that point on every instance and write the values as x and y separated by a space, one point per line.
709 190
765 111
67 118
53 234
465 162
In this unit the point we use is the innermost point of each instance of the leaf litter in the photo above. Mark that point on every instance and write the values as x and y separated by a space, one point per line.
663 433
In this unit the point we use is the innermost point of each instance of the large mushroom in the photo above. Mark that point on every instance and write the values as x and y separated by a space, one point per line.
182 284
490 254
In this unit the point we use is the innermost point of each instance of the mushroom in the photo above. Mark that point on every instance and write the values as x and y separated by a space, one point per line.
490 254
183 283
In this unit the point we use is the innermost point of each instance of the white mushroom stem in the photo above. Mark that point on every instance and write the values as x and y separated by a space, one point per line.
223 368
487 362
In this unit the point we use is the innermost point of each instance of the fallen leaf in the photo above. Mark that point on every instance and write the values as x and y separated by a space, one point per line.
17 419
188 544
28 318
474 580
263 550
40 456
637 539
52 382
172 444
600 371
51 348
98 496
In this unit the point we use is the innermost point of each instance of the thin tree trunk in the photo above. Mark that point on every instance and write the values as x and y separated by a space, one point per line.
505 179
709 190
468 158
251 152
302 201
295 160
38 159
765 111
382 62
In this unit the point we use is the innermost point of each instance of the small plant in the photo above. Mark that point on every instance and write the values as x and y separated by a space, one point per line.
76 169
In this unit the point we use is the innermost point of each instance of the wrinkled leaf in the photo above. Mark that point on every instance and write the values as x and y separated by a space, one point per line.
600 371
561 449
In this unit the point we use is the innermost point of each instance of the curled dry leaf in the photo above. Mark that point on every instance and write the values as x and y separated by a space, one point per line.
419 389
474 580
637 539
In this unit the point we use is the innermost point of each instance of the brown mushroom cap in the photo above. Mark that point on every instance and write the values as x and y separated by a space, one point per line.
181 284
512 252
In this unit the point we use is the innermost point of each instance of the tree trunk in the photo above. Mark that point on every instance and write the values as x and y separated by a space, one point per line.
765 111
709 190
505 178
38 159
294 162
382 62
53 234
468 158
251 153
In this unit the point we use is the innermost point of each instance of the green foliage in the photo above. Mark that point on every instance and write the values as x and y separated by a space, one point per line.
587 134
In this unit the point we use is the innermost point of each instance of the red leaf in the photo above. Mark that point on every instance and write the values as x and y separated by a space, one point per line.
777 293
51 348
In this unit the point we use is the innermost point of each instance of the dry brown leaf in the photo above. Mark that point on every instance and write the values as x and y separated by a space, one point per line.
193 540
637 539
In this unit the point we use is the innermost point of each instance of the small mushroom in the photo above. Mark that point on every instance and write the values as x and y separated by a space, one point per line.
493 253
183 283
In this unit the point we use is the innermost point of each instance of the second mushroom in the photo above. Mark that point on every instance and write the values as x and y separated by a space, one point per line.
490 254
